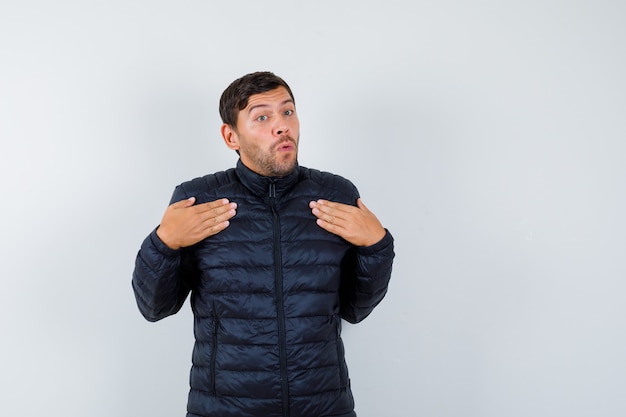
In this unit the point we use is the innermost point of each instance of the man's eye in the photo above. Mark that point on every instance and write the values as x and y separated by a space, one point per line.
288 112
261 118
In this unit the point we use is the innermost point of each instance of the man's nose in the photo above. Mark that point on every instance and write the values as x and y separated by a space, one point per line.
281 126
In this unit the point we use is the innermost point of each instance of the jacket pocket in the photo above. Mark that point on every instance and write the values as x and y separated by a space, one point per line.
216 325
341 363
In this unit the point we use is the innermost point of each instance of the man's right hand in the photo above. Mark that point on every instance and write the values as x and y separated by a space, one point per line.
185 224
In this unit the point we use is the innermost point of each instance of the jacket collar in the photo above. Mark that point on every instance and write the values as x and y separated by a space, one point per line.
260 185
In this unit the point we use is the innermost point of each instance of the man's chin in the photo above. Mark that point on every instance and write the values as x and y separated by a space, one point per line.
284 169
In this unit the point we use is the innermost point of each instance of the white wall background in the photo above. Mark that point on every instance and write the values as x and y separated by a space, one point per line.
490 137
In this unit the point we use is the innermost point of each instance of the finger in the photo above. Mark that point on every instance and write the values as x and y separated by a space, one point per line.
220 215
226 208
208 230
216 228
333 221
328 226
325 213
188 202
213 225
215 209
323 207
227 215
334 207
327 204
211 205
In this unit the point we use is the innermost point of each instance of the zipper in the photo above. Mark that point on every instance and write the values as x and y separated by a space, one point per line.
278 282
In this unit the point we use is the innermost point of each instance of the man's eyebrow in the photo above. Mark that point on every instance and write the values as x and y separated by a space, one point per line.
289 100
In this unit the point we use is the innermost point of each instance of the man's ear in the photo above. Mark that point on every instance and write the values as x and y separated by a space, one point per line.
230 137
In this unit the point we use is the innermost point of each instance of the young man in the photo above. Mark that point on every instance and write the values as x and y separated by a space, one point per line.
274 255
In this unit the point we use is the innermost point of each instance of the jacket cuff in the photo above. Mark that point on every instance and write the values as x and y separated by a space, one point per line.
387 240
160 246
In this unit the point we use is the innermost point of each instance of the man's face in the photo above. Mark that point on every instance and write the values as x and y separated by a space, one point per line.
267 133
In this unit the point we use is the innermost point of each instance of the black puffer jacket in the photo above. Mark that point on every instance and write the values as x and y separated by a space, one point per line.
268 294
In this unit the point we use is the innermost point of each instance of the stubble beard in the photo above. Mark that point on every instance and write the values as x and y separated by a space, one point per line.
273 163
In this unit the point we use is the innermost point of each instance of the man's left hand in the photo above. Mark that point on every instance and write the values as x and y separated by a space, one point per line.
357 225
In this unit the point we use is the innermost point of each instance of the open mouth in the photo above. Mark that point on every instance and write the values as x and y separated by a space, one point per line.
286 146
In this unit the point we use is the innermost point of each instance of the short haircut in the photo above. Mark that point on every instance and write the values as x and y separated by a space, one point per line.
235 97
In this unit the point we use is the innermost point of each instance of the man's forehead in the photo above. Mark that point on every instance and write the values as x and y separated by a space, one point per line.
278 95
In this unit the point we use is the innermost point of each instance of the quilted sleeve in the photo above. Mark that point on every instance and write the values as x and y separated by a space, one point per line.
162 277
365 278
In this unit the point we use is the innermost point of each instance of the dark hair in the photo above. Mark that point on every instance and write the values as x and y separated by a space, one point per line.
235 97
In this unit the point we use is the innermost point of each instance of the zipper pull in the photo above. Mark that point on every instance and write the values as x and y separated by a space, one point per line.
272 190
